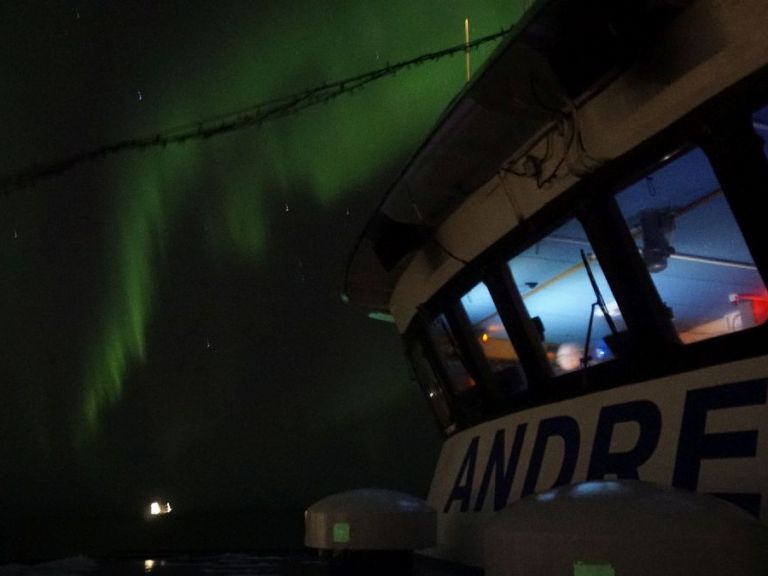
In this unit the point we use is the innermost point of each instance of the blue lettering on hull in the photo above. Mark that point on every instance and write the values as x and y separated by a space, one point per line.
566 428
694 445
505 475
624 464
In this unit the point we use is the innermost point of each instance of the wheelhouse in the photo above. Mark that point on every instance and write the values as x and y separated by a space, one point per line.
580 246
583 217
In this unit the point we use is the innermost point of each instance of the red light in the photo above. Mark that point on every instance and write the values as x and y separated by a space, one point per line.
759 305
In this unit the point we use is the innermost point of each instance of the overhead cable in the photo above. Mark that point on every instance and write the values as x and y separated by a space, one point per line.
254 115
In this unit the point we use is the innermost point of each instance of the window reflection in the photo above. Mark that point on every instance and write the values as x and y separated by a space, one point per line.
459 378
492 336
694 250
488 328
555 286
430 382
760 124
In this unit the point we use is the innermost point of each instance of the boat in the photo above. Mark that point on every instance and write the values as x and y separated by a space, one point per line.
576 261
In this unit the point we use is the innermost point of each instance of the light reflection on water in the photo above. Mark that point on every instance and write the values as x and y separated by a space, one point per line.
304 563
180 565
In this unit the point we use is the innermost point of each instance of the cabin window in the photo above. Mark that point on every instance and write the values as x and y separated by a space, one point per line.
430 382
553 277
693 249
760 123
458 377
490 333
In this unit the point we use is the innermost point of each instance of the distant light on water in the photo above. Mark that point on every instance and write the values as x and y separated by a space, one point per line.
158 508
150 565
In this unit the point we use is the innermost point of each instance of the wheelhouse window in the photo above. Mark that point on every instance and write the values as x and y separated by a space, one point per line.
488 328
457 375
566 293
497 348
694 250
760 123
427 376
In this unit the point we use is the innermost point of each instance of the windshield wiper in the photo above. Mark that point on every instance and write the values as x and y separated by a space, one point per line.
598 302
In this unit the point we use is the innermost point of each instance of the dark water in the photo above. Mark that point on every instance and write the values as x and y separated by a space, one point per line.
216 565
307 563
176 565
42 539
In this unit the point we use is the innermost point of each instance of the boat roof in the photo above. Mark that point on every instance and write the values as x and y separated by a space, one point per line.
559 54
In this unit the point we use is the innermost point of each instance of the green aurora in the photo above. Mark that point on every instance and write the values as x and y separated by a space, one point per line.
172 324
330 151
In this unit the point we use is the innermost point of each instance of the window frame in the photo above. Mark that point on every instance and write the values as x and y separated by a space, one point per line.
723 129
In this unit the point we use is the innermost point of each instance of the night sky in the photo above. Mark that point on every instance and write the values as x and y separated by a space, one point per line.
172 326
